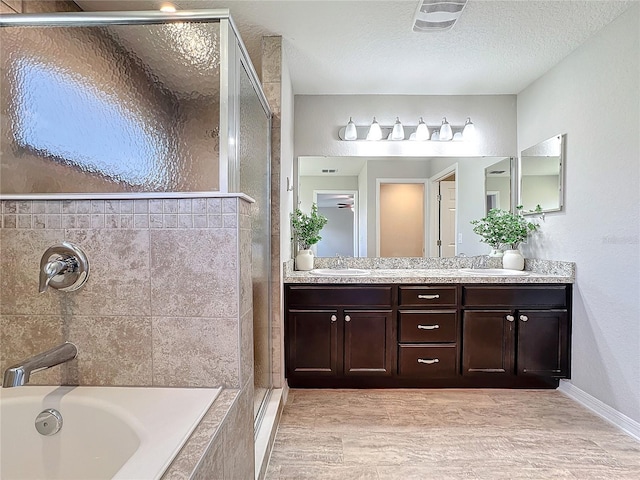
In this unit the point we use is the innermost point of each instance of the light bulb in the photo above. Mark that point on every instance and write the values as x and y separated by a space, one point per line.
375 132
435 136
469 132
350 131
422 131
398 131
446 133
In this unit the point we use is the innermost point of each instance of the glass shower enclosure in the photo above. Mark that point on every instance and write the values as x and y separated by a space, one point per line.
137 104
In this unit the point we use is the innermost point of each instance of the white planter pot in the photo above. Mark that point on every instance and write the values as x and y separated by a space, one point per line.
513 260
304 260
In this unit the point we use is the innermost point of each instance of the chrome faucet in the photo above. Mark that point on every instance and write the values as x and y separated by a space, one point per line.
341 262
19 374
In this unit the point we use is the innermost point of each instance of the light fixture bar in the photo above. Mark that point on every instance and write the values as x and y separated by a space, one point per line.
413 133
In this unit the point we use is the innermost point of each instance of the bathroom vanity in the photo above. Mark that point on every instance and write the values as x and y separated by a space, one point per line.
427 328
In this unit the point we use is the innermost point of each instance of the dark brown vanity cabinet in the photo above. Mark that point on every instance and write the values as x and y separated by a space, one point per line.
338 331
516 330
427 332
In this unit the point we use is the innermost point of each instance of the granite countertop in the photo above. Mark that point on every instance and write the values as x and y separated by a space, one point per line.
431 271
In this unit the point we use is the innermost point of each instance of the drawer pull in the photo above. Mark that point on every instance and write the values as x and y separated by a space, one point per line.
347 318
510 318
524 318
429 297
333 318
429 361
428 327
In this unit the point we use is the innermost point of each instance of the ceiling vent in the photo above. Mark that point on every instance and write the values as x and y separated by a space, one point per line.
437 15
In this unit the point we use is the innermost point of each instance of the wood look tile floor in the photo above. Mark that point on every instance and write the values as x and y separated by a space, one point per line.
447 434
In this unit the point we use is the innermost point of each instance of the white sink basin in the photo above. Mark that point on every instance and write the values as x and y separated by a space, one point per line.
339 272
493 272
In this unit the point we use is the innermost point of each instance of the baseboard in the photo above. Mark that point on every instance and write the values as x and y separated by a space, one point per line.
624 423
267 432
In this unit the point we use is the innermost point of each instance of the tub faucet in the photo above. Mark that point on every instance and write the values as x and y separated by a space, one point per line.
19 374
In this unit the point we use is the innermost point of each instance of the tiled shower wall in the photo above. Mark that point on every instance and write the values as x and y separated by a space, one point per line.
167 302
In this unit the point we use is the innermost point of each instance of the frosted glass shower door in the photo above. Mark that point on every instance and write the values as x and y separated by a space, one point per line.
255 181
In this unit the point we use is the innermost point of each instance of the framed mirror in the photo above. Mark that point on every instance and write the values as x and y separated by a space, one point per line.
400 206
542 176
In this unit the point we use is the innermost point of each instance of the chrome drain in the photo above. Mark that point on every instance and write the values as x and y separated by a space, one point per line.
49 422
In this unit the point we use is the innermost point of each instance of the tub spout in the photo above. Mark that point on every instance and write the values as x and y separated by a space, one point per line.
19 374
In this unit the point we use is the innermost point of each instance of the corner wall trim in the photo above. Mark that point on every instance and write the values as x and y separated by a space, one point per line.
610 414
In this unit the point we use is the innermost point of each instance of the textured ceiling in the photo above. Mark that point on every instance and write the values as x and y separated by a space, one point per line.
367 47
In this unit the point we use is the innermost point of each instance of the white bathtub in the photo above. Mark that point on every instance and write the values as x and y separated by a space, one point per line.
107 432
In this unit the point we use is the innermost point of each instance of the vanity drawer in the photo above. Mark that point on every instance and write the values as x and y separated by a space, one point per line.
531 296
427 361
427 296
427 326
339 296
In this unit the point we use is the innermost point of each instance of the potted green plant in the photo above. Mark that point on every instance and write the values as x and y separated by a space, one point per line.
501 228
306 230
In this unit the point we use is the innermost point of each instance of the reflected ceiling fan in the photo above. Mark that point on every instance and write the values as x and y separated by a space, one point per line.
346 204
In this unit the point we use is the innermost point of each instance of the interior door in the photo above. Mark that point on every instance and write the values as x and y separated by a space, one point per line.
448 218
401 219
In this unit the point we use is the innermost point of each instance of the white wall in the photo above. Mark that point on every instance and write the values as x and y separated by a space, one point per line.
593 96
286 159
337 235
307 185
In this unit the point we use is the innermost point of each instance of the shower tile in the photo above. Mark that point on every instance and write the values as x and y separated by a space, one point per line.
97 221
15 5
238 438
39 221
199 205
39 206
155 220
112 206
229 205
9 221
9 206
25 336
170 205
119 279
214 206
24 221
271 59
126 206
53 206
229 221
141 221
68 206
83 206
200 221
171 221
111 350
215 221
155 206
20 263
83 221
126 221
97 206
185 221
141 206
246 346
53 221
24 207
206 260
184 205
68 221
112 220
195 352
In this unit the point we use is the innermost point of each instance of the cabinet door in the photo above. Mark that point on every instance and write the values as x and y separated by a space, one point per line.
368 342
312 344
488 338
543 343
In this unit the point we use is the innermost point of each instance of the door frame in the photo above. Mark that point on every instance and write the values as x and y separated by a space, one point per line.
425 183
434 223
356 217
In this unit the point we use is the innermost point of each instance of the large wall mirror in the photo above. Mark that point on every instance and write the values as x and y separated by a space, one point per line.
402 206
541 176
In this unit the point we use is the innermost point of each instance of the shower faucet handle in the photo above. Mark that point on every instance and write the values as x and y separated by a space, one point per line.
63 267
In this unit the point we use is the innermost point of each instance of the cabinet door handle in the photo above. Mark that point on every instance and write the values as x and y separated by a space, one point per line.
347 318
524 318
333 318
510 318
429 361
428 327
429 297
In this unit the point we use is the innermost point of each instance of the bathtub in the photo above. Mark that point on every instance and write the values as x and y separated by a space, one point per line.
107 432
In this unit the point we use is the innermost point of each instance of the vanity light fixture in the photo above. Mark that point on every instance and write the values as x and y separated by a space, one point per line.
422 131
398 130
350 132
469 132
445 131
375 132
414 133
